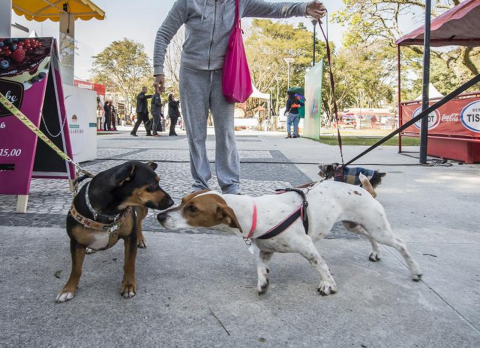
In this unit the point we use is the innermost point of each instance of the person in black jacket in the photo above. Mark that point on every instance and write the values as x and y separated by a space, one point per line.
173 113
292 109
156 110
142 111
108 116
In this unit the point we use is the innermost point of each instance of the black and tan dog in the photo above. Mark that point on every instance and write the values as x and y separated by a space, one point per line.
110 207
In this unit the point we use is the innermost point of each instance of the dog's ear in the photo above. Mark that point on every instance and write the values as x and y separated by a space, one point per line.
152 165
125 174
226 215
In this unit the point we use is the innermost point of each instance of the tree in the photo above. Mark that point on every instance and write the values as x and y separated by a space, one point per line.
124 68
172 62
378 21
268 43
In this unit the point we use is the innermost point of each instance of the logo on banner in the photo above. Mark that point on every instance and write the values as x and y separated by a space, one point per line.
433 119
470 116
13 91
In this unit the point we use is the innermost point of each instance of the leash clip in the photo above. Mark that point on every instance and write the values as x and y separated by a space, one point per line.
112 229
247 241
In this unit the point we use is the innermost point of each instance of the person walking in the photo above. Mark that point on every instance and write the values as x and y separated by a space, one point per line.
108 116
293 106
156 110
142 112
208 25
113 117
173 113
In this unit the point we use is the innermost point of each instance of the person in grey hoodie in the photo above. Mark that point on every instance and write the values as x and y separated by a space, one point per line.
208 24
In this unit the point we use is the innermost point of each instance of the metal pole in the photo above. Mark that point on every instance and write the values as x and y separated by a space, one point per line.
426 83
278 96
288 83
400 118
313 63
5 18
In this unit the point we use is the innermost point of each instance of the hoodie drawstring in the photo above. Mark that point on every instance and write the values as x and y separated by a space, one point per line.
204 10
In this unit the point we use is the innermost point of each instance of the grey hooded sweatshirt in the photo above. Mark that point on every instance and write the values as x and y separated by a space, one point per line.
208 24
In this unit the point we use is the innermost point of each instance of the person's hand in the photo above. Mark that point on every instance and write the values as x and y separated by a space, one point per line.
316 10
159 83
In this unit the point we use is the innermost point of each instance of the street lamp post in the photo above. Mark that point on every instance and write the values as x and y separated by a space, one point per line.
289 61
277 78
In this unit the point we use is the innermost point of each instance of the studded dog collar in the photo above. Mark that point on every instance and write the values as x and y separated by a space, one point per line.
89 223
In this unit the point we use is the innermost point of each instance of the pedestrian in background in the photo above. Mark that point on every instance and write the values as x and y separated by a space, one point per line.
113 117
107 115
293 109
142 112
208 25
173 113
156 110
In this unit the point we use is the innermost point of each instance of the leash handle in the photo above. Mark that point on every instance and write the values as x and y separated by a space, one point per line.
332 84
29 124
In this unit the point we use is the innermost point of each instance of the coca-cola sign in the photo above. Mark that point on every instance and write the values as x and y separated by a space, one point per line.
13 91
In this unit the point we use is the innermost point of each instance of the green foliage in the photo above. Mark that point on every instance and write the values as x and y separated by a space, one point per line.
124 68
367 141
377 22
268 43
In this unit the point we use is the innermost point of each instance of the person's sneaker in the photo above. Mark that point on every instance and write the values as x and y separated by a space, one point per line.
156 135
295 136
133 135
288 137
149 135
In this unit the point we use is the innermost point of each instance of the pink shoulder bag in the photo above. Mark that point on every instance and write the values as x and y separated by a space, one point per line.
236 83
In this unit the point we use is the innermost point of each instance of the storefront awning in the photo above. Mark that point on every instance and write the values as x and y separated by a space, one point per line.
458 26
40 10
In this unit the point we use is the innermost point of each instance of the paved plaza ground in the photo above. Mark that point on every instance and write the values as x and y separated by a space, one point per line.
197 288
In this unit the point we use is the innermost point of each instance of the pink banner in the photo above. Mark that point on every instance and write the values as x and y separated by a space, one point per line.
30 78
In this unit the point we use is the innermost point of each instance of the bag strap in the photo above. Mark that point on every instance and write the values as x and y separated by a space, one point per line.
238 20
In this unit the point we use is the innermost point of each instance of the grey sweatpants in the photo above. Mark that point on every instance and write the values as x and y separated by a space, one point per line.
201 91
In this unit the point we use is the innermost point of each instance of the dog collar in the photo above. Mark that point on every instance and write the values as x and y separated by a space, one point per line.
95 213
89 223
254 221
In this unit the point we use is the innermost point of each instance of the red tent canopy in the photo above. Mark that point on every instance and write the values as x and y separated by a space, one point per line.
458 26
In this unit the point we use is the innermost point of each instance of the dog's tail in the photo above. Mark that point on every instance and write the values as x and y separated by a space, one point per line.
381 174
367 185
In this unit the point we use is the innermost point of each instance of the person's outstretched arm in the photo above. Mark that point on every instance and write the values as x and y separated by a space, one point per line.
177 16
264 9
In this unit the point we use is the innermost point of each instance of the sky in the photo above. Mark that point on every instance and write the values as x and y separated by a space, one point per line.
137 20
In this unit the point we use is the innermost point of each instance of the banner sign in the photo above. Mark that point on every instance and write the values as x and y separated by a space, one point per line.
313 101
460 117
30 79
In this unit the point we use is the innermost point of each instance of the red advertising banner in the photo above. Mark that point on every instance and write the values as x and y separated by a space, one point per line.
30 79
459 117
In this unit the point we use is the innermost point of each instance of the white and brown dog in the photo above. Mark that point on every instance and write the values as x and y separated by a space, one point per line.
328 202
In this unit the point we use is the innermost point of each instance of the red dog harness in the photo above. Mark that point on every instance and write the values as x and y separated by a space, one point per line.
300 212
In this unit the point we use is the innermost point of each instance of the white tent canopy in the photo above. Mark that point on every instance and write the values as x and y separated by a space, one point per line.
259 95
432 93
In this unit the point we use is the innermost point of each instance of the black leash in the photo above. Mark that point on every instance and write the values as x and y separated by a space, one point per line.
332 84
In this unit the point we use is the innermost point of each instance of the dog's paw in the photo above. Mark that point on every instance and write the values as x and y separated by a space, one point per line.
262 287
417 277
142 243
128 290
327 288
374 256
65 296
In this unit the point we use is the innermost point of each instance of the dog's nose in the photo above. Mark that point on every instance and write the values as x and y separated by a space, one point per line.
162 217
